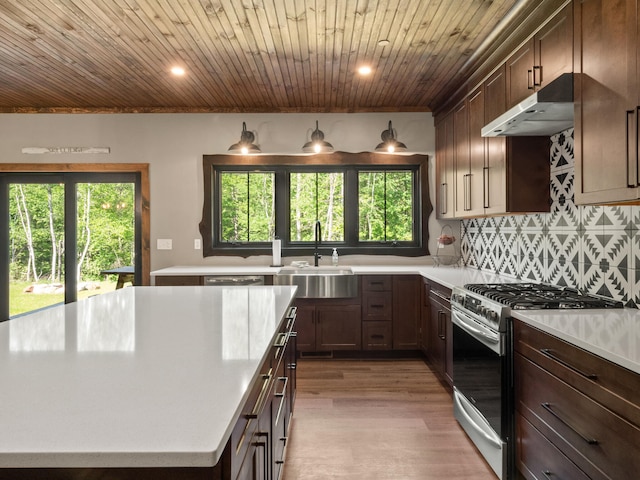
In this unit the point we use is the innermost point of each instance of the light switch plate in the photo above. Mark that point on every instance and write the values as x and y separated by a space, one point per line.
164 244
196 244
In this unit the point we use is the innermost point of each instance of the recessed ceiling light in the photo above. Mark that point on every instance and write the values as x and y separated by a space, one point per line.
383 43
365 70
178 71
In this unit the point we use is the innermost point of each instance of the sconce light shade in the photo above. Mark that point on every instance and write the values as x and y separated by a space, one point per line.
317 143
245 146
389 143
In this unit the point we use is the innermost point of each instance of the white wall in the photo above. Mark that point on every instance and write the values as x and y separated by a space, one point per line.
173 145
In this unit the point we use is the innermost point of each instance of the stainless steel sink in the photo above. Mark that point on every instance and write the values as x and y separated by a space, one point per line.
319 282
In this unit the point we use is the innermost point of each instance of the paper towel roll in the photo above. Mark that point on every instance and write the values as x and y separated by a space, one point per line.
277 259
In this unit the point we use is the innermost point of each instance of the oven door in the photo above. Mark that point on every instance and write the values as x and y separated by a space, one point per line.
481 388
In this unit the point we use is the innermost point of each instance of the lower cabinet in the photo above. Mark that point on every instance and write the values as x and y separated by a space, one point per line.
259 441
326 326
439 331
577 415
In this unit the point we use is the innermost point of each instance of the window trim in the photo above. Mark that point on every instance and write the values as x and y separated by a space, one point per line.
285 164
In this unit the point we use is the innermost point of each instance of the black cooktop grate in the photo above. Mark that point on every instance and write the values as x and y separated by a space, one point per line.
529 296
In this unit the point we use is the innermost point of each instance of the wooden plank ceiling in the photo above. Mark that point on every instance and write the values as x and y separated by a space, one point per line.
239 55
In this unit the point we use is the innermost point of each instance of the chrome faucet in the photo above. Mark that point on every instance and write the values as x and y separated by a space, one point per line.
316 255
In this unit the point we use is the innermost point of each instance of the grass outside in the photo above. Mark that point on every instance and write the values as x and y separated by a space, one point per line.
22 302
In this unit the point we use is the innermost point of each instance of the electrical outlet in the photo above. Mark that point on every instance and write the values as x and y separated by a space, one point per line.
196 244
164 244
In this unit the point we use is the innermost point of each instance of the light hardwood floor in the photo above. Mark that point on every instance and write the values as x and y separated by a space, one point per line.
376 420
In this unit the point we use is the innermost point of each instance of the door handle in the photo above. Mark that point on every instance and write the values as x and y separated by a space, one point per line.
632 147
485 180
443 199
538 82
467 192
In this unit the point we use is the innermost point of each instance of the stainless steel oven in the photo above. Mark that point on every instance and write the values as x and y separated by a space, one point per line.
482 393
483 358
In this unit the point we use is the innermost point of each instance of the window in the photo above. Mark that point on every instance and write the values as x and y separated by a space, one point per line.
63 224
366 203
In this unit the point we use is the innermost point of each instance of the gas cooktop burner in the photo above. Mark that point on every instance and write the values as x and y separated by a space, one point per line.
530 296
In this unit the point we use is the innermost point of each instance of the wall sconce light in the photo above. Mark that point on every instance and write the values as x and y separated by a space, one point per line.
317 143
389 143
245 146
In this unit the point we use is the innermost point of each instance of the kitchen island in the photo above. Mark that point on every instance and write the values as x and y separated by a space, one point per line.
141 378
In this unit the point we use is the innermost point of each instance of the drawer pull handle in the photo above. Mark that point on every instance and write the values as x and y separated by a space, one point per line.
549 353
377 336
377 306
547 407
547 474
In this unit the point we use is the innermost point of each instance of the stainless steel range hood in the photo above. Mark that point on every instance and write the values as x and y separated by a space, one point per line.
546 112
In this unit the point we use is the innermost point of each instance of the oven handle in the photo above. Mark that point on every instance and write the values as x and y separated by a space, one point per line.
486 337
487 432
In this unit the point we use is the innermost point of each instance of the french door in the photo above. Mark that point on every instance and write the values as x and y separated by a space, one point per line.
59 233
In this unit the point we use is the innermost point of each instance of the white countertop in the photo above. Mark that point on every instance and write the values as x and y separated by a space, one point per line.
612 334
447 276
144 376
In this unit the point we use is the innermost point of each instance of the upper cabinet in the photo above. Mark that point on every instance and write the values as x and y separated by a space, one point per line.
444 166
543 58
490 175
607 101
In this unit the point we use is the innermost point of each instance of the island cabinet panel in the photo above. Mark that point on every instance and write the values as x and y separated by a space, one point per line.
587 408
607 101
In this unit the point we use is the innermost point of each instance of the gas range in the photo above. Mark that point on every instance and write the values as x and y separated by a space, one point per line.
491 303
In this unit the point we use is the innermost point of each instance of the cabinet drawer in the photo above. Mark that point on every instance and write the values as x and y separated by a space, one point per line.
538 459
376 335
376 283
600 442
377 306
613 386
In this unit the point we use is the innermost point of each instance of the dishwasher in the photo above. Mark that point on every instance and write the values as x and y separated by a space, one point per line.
230 280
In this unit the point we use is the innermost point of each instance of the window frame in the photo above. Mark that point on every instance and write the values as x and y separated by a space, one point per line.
283 166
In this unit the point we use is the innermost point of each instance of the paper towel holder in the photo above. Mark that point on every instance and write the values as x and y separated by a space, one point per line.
276 259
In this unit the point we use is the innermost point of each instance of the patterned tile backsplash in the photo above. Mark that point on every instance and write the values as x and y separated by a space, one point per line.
593 248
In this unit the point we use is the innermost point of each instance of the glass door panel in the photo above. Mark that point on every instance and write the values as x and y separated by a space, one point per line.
105 237
36 246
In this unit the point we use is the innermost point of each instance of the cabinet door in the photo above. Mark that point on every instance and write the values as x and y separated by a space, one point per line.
520 74
462 202
406 312
377 306
495 174
445 169
437 336
338 327
554 48
605 101
448 348
306 328
424 318
477 151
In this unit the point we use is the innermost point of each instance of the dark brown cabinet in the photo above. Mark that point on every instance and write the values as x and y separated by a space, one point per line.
542 59
491 175
406 312
445 168
577 415
440 332
323 325
178 280
377 312
607 101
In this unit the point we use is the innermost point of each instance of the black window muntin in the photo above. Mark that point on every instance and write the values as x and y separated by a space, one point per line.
283 166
